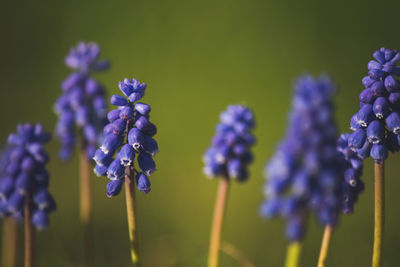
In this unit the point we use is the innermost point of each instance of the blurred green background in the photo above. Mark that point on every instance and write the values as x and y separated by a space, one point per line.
197 57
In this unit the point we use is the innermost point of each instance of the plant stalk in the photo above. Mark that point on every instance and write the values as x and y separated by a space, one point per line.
293 254
131 215
29 233
379 214
86 208
9 242
219 215
323 254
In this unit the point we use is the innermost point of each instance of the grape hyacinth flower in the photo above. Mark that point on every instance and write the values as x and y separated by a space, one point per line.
24 183
129 136
305 173
228 158
376 127
82 114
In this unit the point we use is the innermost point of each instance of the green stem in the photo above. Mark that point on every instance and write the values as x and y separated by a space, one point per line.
86 207
29 233
323 254
131 215
293 254
219 214
9 242
379 214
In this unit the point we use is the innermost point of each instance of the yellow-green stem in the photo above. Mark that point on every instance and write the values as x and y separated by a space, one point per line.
131 215
9 242
86 208
29 233
379 214
219 214
323 254
293 254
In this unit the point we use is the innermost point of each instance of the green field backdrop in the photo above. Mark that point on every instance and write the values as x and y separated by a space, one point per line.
197 57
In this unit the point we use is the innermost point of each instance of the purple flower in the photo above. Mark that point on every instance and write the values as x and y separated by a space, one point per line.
23 175
306 171
129 133
82 107
380 107
230 148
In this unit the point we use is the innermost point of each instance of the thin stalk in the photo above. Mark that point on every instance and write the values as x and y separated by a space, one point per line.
131 215
219 214
29 233
86 207
379 214
236 254
293 254
323 254
9 242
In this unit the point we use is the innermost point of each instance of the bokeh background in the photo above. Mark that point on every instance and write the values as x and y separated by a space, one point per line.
197 57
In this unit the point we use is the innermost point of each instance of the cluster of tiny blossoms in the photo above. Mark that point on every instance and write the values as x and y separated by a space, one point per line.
352 185
376 125
129 127
230 153
24 176
83 101
306 172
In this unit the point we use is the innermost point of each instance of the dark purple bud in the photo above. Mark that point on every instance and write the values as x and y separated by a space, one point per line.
364 151
12 169
366 96
351 177
146 126
235 168
394 99
135 96
101 158
115 170
270 208
393 122
143 183
126 155
108 129
365 115
42 177
125 87
378 89
111 143
113 115
357 139
136 138
82 116
73 80
381 107
114 187
142 108
118 100
90 133
15 140
40 219
295 230
367 81
374 65
146 163
356 164
6 187
100 170
354 125
16 202
126 113
119 126
376 74
150 145
212 169
379 56
392 142
375 132
28 164
92 87
379 153
240 149
17 153
44 200
222 154
391 84
24 183
100 106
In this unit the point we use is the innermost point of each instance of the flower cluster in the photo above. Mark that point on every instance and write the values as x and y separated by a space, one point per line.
230 153
352 185
24 177
129 127
376 125
83 103
306 171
